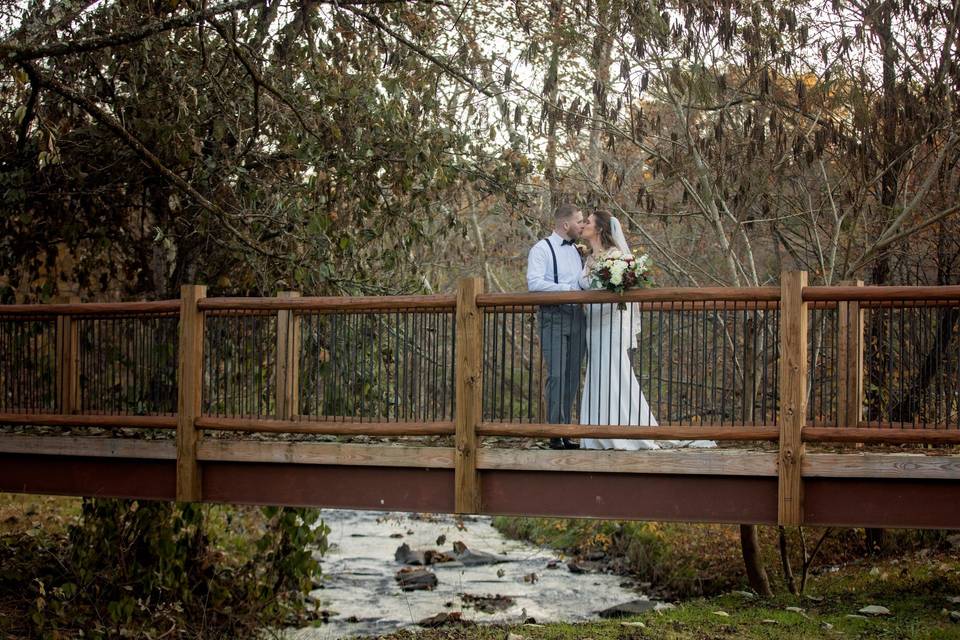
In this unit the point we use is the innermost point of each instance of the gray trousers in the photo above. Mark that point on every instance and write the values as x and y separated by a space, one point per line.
563 343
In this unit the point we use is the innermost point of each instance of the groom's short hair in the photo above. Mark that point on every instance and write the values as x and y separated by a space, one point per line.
565 211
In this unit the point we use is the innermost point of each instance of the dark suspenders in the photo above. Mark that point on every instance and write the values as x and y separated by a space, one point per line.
556 277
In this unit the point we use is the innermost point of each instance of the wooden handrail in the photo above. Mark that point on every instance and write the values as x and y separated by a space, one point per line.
663 294
891 434
629 432
881 293
350 303
881 436
696 298
325 427
89 420
91 308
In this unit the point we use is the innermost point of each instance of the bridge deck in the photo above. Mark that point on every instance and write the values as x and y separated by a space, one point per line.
693 485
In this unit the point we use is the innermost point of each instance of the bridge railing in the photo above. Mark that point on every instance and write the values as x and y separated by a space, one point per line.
705 360
884 363
789 364
99 364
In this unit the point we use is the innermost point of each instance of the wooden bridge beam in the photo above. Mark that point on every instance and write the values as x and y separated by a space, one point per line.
189 385
288 359
793 397
850 361
68 362
468 395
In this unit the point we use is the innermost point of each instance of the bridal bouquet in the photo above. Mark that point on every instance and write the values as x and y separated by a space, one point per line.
617 272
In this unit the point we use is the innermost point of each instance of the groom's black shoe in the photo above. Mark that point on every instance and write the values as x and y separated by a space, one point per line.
570 444
557 443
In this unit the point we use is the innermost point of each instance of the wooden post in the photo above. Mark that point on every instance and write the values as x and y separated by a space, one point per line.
850 361
189 385
793 396
288 360
468 381
68 362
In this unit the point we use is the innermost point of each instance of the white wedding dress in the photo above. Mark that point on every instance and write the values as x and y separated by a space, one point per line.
611 393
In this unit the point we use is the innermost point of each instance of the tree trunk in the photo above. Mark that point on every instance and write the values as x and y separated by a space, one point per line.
785 561
752 561
550 93
874 540
607 15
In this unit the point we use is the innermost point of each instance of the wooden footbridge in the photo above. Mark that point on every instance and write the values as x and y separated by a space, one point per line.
431 403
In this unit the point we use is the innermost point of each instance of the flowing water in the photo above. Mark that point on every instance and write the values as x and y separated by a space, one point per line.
363 598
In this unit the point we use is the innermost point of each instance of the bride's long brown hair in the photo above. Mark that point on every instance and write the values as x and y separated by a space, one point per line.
601 218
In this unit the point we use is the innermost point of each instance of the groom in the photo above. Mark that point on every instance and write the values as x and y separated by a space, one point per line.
554 264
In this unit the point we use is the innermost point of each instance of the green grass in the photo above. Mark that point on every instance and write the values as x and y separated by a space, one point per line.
913 581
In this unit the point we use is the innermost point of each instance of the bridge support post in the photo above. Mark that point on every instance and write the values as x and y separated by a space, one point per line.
68 362
189 386
288 360
850 361
468 395
793 396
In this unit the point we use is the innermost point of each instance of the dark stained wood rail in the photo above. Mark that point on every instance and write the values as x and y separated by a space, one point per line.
210 459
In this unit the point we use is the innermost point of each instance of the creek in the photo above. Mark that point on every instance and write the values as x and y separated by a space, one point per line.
359 591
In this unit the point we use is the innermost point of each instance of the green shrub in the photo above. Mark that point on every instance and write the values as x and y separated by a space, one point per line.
132 568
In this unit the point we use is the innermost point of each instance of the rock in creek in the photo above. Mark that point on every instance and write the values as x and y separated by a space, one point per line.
405 555
584 566
488 604
472 558
627 609
442 619
416 579
423 557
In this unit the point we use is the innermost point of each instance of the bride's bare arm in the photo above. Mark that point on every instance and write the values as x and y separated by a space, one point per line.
586 280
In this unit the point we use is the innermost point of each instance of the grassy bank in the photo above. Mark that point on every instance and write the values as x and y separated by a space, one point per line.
677 560
917 589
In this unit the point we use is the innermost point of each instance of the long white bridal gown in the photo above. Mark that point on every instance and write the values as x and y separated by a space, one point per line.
611 393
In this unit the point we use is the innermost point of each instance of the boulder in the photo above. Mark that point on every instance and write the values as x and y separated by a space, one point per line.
411 579
405 555
627 609
874 610
470 558
441 619
488 604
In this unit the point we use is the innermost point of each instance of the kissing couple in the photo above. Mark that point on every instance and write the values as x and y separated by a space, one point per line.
602 332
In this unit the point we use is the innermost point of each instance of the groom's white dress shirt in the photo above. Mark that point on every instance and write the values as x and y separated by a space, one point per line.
540 273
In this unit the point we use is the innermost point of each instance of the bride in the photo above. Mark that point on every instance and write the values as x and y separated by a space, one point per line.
611 393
